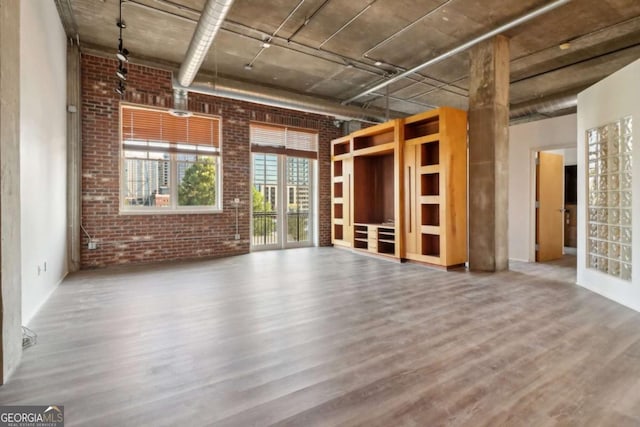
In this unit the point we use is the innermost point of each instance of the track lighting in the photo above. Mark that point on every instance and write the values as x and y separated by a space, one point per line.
123 57
121 72
123 54
120 89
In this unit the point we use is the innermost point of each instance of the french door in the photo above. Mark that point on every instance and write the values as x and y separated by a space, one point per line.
283 201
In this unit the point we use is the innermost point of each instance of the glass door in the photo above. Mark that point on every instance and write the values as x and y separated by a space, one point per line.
265 189
283 200
299 201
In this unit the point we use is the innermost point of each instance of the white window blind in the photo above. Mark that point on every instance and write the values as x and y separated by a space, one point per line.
283 140
159 131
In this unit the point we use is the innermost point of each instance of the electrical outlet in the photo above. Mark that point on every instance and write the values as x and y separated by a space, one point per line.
236 200
237 237
93 245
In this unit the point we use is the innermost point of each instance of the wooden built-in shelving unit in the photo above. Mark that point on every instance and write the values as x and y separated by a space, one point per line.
435 165
399 188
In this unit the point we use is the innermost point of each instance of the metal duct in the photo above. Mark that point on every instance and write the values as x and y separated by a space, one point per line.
543 106
210 21
180 103
280 98
462 47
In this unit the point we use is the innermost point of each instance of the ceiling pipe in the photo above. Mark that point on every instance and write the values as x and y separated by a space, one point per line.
544 106
527 17
210 21
273 97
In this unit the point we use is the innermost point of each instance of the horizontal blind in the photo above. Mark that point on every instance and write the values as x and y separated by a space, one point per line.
140 124
270 136
283 140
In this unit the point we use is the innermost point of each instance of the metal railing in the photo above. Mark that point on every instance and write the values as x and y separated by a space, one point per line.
265 227
297 226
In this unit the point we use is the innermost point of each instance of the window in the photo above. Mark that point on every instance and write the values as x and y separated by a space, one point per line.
609 216
169 163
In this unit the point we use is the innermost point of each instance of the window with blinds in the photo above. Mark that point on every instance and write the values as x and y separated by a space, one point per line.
169 163
293 142
158 130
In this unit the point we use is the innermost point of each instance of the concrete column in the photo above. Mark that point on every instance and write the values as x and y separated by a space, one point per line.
10 252
489 155
74 157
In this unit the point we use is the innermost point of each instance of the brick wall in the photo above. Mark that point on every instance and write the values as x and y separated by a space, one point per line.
151 238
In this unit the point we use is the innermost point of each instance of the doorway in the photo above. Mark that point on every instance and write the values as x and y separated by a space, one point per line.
283 200
555 204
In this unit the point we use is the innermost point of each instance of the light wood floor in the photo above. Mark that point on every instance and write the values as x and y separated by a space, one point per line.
311 337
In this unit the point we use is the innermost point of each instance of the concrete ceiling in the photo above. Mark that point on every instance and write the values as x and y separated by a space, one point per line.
329 48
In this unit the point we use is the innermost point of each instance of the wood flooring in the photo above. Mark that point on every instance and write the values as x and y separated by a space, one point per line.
325 337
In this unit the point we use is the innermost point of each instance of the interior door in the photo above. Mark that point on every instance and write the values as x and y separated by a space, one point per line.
550 206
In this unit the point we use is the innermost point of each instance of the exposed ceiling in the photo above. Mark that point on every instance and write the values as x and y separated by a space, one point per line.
336 49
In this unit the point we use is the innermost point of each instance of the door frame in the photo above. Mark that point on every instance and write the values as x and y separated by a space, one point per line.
282 195
532 192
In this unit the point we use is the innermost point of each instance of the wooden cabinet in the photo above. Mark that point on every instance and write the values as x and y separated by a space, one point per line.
377 189
400 188
435 162
341 191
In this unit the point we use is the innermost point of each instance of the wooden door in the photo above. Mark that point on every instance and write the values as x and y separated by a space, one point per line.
550 206
411 153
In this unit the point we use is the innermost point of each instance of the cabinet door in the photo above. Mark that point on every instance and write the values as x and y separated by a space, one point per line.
411 194
347 174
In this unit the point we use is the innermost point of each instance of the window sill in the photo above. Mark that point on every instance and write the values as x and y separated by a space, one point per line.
168 211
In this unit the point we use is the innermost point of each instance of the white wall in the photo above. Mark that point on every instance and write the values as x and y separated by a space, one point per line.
570 155
524 140
43 152
607 101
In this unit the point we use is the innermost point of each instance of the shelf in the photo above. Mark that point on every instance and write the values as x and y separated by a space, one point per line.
430 215
430 184
337 192
337 231
337 168
421 126
338 179
430 154
422 139
358 239
337 210
341 146
429 200
341 156
387 241
338 221
430 229
429 169
376 150
431 245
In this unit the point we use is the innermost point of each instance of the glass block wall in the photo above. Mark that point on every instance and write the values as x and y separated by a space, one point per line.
609 202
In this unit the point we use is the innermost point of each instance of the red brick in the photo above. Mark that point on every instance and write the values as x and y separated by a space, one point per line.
153 238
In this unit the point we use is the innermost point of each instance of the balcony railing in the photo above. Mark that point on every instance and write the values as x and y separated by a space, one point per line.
265 225
297 226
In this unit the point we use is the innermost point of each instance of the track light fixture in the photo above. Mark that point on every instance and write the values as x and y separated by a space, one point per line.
120 89
123 53
121 72
123 57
